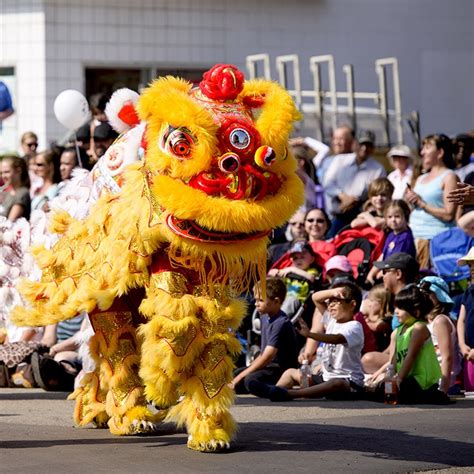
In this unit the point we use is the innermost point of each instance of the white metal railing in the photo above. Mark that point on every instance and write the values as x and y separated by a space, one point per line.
288 66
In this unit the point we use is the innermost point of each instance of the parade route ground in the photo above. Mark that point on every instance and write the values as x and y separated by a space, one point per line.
37 435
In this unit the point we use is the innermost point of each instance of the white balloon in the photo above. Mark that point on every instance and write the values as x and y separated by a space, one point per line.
71 109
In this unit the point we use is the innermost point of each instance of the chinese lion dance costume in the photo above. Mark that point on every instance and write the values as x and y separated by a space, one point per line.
160 264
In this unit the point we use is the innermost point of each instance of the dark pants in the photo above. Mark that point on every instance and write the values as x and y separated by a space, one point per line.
410 393
269 375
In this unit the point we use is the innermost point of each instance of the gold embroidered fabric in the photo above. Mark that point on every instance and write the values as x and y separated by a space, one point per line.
172 282
180 343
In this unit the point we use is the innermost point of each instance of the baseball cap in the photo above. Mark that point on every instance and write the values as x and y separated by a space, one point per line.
104 131
439 287
366 136
400 260
338 262
400 150
299 246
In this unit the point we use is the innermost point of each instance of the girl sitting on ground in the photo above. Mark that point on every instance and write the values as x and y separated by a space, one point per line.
443 331
411 350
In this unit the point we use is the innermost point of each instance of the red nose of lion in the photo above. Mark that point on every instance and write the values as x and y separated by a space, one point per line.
239 178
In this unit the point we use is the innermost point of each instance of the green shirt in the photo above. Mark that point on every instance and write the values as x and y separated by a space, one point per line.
298 288
425 369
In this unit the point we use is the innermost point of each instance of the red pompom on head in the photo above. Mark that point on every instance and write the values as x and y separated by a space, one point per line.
128 114
222 82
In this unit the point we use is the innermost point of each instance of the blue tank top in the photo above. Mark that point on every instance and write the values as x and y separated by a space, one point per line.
423 224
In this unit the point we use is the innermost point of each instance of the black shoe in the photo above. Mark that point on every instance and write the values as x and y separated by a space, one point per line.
278 394
259 389
5 380
51 375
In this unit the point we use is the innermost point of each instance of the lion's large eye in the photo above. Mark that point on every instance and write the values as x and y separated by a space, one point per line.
239 138
178 142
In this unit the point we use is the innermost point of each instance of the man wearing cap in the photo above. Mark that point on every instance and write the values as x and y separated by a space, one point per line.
347 181
103 135
399 270
400 157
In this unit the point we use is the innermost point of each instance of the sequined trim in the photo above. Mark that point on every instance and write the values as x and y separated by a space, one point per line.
212 355
173 283
180 343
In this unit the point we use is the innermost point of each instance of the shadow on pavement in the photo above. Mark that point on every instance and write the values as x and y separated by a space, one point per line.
24 395
357 405
168 435
371 442
254 437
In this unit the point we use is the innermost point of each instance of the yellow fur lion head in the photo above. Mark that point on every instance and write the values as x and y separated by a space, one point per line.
217 158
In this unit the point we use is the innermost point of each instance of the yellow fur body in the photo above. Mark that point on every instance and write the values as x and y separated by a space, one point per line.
191 307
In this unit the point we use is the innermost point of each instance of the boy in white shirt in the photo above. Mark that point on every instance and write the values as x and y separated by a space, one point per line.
341 373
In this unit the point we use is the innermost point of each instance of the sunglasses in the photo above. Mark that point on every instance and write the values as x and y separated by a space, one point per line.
318 221
387 270
31 145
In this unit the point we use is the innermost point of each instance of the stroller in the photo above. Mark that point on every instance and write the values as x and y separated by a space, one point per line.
362 247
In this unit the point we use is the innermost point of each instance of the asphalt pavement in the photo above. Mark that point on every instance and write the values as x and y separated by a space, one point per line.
37 435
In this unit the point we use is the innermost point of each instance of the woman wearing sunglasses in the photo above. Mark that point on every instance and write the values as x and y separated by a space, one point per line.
47 169
29 145
317 224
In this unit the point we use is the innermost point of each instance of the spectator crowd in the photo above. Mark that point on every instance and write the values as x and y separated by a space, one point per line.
370 281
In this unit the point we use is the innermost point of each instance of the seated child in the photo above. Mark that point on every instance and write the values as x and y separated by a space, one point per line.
411 350
443 331
380 195
337 268
400 237
341 373
377 315
278 343
303 266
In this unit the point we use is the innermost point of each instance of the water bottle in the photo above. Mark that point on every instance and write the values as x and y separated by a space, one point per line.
306 375
390 386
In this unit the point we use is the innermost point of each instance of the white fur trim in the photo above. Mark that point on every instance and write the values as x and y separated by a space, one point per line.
115 104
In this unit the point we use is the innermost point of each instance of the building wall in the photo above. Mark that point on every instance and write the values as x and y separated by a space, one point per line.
22 46
50 43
